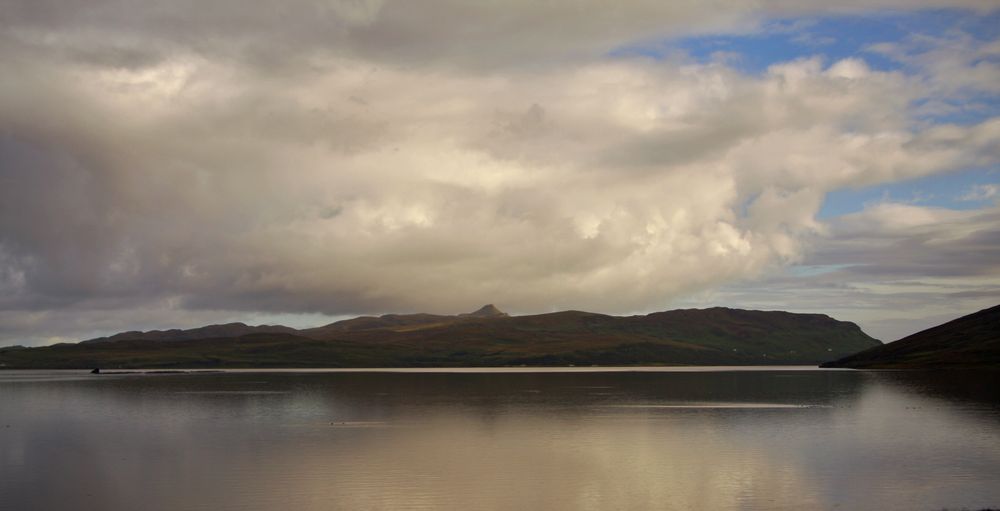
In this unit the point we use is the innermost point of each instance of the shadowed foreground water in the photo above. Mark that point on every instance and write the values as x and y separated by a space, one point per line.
703 439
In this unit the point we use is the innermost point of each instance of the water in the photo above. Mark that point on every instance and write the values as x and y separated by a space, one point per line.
711 438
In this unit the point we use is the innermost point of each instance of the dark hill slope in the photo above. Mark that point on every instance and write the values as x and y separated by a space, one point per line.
709 336
390 322
205 332
399 322
685 337
967 342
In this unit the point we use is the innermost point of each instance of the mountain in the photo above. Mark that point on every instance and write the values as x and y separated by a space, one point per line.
386 322
393 322
486 311
486 337
971 341
205 332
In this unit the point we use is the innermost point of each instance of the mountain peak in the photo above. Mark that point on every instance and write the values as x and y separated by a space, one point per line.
486 311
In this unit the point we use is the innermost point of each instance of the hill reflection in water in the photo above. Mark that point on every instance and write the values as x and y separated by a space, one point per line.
718 439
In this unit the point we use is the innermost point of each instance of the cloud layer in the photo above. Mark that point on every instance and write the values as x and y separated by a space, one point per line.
896 268
363 157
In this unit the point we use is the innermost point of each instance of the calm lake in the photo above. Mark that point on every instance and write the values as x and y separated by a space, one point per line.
706 438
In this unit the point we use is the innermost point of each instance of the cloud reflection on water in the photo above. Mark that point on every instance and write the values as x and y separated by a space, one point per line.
823 439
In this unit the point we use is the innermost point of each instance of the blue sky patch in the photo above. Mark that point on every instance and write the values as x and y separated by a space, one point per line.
956 190
832 37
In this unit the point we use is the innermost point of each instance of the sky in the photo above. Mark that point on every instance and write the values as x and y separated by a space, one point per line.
174 164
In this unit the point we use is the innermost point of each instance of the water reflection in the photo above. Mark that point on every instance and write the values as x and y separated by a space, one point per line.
646 440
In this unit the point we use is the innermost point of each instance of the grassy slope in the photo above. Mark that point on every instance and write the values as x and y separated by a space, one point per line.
687 337
967 342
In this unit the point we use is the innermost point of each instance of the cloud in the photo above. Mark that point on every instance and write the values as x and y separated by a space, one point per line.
288 33
365 157
894 268
895 240
961 72
981 192
953 63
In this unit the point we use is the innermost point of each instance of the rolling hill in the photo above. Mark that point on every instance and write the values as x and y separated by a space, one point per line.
487 337
968 342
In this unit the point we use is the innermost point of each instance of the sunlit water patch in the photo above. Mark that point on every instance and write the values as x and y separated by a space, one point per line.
654 438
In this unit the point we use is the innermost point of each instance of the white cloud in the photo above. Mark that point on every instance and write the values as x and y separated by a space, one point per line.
369 176
961 73
981 192
544 190
893 268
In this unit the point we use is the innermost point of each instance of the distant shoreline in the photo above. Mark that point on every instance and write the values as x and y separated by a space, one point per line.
526 369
